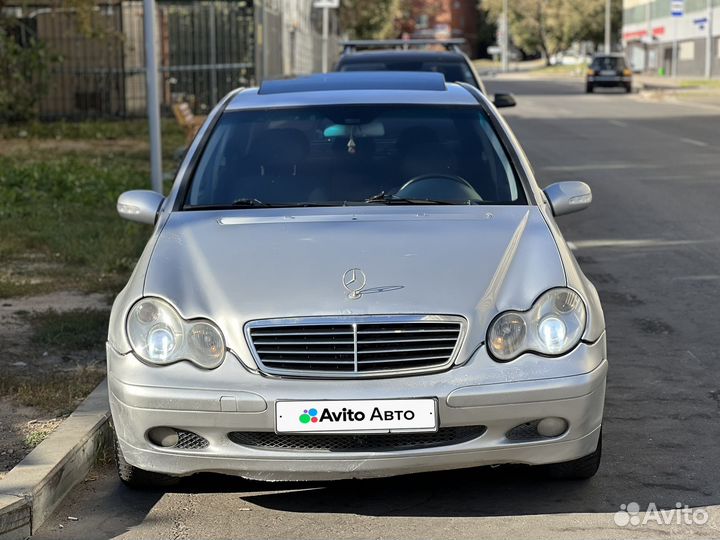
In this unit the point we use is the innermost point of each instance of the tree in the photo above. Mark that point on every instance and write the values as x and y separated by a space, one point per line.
551 26
369 19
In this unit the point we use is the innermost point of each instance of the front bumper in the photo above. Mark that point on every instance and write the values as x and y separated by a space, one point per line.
213 413
609 80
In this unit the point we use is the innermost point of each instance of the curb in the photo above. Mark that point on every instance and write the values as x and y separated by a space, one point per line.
34 487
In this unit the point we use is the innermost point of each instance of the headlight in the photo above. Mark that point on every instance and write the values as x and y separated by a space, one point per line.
158 335
552 326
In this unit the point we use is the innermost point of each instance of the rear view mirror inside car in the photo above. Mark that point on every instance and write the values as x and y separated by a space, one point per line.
372 129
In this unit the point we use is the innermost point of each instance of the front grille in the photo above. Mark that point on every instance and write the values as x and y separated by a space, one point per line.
355 346
377 442
187 440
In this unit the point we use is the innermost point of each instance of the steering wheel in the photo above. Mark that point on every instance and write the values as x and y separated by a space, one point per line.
426 186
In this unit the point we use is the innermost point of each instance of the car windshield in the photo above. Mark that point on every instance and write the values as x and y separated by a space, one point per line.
613 63
340 155
453 71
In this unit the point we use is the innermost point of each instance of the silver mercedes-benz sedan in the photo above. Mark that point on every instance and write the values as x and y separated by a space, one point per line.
355 275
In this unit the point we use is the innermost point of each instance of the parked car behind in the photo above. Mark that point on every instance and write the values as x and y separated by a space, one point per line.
403 55
355 275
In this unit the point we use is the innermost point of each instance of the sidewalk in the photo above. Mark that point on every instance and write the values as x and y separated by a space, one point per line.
699 91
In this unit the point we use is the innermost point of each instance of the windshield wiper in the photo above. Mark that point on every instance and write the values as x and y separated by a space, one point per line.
249 203
385 198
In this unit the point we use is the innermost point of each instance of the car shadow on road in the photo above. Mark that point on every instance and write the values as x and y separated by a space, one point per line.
508 490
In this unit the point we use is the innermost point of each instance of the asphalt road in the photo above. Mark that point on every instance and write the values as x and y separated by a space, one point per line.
650 242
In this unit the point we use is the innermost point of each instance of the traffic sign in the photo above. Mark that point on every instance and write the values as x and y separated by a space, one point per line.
677 8
330 4
701 22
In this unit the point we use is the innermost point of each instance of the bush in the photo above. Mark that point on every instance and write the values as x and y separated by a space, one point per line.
23 74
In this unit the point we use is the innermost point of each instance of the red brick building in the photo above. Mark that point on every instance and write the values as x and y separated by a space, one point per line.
443 19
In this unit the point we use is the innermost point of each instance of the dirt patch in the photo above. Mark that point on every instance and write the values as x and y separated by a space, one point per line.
22 430
52 358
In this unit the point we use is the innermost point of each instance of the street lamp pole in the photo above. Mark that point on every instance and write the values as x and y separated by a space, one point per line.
505 45
325 37
607 26
153 102
708 43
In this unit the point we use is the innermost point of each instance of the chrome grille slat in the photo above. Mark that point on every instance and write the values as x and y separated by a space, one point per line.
286 361
400 331
406 340
286 351
259 342
410 359
390 351
359 346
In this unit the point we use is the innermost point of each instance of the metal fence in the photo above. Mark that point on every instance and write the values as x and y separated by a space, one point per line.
205 49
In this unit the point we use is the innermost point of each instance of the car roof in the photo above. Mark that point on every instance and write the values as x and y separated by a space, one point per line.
357 87
395 56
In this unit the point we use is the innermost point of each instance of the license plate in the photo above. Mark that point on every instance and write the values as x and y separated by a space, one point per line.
607 72
356 416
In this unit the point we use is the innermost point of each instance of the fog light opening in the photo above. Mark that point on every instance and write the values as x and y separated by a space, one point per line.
164 436
552 426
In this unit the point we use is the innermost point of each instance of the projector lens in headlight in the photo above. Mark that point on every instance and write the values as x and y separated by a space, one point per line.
160 343
552 333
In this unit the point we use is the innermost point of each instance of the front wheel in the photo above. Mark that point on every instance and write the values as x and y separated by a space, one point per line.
136 478
589 88
577 469
628 88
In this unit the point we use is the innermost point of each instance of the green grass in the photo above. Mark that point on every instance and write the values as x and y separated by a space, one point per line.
68 331
560 70
88 130
712 84
58 187
36 437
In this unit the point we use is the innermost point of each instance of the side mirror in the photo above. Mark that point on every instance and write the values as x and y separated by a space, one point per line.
139 205
568 197
504 100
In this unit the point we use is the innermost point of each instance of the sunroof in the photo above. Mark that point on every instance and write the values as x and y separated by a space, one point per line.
359 80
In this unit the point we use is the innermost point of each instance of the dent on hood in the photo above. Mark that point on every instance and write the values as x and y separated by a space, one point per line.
530 265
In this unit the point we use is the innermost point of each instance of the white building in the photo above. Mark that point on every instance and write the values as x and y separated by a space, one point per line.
649 31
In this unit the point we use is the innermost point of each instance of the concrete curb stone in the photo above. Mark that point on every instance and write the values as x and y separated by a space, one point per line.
34 487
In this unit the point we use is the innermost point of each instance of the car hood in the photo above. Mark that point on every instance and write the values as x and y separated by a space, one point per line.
236 266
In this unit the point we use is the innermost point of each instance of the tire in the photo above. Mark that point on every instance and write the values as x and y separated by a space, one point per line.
628 88
577 469
589 89
135 478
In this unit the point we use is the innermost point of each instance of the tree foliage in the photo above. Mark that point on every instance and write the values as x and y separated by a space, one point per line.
369 19
551 26
23 74
25 62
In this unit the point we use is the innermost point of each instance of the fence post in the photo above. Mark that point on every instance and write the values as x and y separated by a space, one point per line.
213 56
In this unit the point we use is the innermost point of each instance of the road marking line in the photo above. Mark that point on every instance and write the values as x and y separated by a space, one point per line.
693 141
571 245
618 123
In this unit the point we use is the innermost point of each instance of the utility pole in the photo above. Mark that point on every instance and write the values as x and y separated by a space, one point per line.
153 102
608 25
708 43
325 37
505 38
326 6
